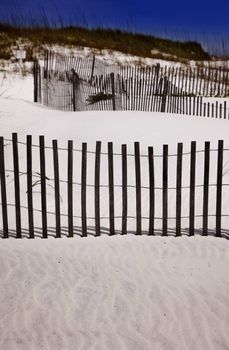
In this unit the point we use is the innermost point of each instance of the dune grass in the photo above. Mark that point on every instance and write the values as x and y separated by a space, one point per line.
141 45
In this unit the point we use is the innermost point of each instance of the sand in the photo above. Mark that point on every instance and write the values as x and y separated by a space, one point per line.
114 293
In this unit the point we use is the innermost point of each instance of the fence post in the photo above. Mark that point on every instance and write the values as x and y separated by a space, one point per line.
165 192
138 187
194 106
216 109
35 80
30 186
124 189
57 187
16 185
75 86
39 81
43 186
219 188
151 191
208 104
46 64
164 95
70 187
197 104
3 189
206 187
213 114
204 113
178 189
192 189
97 188
200 103
113 91
92 69
84 189
157 72
74 91
111 187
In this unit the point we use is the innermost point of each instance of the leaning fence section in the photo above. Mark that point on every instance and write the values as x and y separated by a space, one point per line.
198 81
79 84
49 190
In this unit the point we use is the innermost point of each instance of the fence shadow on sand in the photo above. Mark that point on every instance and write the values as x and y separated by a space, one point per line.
91 232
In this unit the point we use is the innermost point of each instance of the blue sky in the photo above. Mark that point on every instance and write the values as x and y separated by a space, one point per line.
169 17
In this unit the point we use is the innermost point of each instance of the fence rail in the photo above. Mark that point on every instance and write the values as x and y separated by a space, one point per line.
120 204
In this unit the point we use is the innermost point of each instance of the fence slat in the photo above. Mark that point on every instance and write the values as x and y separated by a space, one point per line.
165 192
75 82
138 188
192 189
164 94
124 189
57 187
3 190
97 188
35 75
16 186
84 190
151 191
113 91
219 188
30 186
43 186
206 187
70 188
92 69
178 188
111 187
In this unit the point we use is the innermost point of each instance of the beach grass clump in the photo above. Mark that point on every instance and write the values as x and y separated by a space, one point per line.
99 38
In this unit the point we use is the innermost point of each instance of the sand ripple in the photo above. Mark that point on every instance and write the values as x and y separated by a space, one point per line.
126 293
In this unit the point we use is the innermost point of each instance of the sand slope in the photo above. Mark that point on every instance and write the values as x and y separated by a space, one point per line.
114 293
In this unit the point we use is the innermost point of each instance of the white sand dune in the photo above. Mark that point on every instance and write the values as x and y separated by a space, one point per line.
114 293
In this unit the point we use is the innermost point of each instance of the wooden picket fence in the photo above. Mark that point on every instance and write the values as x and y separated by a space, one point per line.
79 84
196 81
64 90
141 213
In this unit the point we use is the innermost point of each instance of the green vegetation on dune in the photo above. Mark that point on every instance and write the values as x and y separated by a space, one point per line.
132 43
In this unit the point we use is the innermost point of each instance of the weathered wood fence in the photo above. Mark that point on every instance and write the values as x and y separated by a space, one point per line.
66 91
77 84
133 174
198 81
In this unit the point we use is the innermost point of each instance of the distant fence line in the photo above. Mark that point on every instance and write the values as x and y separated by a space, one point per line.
198 81
141 213
113 93
66 85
